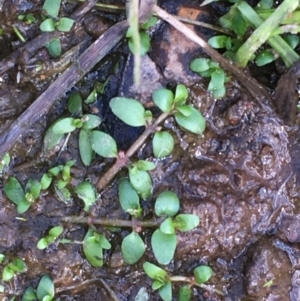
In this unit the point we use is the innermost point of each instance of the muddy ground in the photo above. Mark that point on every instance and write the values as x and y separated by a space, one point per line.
241 177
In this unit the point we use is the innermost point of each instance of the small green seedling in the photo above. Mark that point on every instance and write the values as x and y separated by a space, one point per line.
87 192
140 178
23 199
61 176
163 282
52 236
208 68
51 9
28 18
133 248
163 240
129 199
17 265
91 141
45 291
93 246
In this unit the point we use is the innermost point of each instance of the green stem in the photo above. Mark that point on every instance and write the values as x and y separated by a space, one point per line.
136 38
264 31
18 33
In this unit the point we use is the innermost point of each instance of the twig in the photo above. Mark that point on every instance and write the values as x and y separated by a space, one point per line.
117 8
123 160
191 281
68 79
256 90
113 222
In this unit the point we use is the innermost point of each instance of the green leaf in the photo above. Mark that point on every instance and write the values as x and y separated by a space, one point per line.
264 57
148 116
93 250
194 123
104 145
45 288
14 191
70 163
65 125
164 99
155 272
292 40
157 284
141 182
51 7
167 226
163 144
200 65
54 47
66 173
86 192
184 110
17 265
186 222
75 103
64 24
185 293
133 248
7 274
167 204
219 93
85 147
54 171
56 231
29 294
165 292
103 242
181 94
151 22
145 44
239 25
128 110
203 273
60 184
265 4
2 257
218 41
90 121
34 187
217 80
163 246
23 206
51 139
47 25
145 165
42 244
128 197
92 97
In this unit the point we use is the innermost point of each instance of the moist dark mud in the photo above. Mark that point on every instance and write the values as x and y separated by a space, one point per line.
241 177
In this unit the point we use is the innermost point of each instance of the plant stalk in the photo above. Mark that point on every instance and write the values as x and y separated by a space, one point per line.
264 31
123 159
113 222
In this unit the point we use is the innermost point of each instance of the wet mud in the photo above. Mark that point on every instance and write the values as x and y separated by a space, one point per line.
241 177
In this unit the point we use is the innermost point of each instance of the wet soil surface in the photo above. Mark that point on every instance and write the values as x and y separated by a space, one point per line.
241 177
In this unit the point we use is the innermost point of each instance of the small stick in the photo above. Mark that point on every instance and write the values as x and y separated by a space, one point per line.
256 90
123 160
